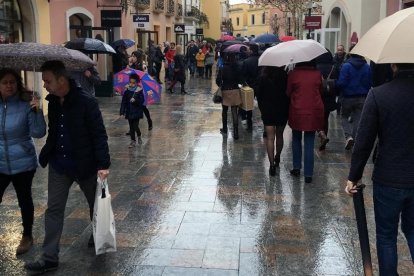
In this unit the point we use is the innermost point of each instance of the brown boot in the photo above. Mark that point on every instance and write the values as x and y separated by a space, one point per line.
25 243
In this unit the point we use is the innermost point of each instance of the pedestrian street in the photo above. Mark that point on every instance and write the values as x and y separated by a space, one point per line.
190 201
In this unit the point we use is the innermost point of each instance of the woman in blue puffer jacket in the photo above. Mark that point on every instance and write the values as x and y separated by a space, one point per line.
20 120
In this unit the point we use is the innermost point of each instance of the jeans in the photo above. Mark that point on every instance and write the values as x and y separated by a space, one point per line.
351 107
192 66
309 142
389 205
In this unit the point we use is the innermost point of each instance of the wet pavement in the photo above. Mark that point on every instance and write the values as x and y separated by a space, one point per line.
189 201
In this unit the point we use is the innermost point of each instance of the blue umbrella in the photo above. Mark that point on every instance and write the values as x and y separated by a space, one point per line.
127 43
267 39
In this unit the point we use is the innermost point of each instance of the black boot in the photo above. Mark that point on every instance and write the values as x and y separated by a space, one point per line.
224 122
170 90
183 91
236 132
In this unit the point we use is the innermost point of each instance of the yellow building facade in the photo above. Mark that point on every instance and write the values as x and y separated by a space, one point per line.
248 20
216 14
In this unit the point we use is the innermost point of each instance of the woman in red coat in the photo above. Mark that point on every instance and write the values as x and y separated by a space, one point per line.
306 114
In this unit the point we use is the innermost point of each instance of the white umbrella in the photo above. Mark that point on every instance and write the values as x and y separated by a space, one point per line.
290 52
30 56
389 41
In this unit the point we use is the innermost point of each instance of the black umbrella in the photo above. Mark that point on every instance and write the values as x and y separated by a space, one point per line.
361 219
90 46
125 42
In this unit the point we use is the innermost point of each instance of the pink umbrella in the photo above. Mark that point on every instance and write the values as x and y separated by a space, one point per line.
236 48
152 90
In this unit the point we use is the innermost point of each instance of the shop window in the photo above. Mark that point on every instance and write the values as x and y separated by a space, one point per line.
10 22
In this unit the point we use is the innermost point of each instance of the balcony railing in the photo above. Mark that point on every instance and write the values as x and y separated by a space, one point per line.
142 4
170 7
159 6
179 10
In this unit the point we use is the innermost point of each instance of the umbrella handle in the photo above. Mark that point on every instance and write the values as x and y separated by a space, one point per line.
361 219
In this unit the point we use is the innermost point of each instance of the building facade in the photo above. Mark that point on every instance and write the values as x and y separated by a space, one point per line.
253 20
344 22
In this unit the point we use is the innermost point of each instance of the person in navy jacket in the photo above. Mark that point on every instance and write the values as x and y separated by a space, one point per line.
132 107
76 149
388 116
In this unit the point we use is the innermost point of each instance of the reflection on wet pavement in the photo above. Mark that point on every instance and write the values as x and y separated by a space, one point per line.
189 201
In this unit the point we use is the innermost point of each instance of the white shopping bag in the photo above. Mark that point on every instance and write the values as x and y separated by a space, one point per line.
103 223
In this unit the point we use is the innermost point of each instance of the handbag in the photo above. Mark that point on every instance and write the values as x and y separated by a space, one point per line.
217 96
247 96
328 85
103 223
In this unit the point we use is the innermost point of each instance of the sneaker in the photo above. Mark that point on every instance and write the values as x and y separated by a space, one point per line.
41 266
25 244
349 143
132 144
139 141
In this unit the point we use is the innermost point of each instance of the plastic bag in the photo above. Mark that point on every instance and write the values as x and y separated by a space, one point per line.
103 223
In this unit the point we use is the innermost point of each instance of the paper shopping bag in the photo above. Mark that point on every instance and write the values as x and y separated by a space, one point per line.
103 223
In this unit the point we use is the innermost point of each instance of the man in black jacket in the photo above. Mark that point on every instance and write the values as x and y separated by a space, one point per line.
389 115
76 149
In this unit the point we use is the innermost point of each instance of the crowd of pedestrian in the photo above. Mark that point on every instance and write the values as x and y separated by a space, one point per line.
301 96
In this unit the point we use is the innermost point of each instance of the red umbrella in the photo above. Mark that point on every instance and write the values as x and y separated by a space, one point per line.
287 38
227 37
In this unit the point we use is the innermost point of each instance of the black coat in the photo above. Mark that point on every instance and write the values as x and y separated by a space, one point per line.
389 115
250 71
89 142
228 77
132 110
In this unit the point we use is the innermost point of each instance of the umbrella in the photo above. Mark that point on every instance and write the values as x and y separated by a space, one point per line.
89 46
152 89
227 37
361 219
267 39
226 44
390 40
127 43
290 52
30 56
287 38
236 48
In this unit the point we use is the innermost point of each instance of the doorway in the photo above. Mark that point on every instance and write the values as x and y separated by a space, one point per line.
182 39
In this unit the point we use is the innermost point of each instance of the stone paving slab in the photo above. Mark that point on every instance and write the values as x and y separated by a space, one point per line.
189 201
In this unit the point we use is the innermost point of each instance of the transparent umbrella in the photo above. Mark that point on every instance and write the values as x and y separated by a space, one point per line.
30 56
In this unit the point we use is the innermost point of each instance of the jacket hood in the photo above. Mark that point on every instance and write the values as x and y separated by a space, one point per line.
357 62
